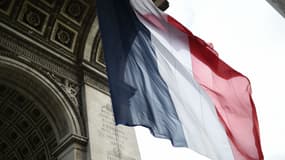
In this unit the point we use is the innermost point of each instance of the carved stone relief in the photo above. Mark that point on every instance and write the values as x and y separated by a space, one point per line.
71 89
64 36
48 68
53 23
37 58
47 35
75 10
33 17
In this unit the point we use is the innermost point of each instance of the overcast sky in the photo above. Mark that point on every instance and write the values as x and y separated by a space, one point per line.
249 36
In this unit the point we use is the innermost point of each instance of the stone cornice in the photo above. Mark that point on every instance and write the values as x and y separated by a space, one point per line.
38 56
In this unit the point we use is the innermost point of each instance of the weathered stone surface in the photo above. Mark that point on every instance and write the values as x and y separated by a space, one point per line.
51 54
107 141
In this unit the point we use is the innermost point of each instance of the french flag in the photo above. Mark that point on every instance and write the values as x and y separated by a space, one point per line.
163 77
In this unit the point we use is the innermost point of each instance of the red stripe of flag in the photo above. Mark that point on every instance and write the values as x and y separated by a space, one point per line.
230 91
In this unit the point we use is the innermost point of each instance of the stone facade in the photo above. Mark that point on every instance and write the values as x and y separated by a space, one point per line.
54 97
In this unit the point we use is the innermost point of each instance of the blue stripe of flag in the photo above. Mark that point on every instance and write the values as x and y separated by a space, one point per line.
139 94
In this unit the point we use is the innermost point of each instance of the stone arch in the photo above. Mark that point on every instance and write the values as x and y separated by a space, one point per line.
93 37
93 49
50 101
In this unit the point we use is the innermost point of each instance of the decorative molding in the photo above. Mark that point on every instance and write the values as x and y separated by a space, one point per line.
6 6
33 17
71 89
55 24
100 60
71 140
97 54
24 120
64 36
50 51
75 10
95 83
50 3
66 79
95 78
67 120
35 57
91 40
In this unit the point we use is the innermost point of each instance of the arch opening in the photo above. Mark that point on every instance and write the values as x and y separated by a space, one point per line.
25 131
36 119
